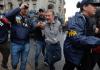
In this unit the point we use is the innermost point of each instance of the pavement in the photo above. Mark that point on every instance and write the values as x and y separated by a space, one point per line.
30 63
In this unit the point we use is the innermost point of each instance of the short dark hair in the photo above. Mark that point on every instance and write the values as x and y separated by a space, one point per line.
50 6
41 10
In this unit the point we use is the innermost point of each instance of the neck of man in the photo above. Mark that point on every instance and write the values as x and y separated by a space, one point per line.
22 14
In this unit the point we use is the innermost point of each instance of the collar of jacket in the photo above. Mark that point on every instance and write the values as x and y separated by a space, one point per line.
80 15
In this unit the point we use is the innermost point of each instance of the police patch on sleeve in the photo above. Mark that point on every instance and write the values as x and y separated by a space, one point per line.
71 33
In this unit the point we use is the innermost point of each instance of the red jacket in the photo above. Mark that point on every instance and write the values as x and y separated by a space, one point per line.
96 50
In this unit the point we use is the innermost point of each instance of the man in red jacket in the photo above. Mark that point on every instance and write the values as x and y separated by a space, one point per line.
4 44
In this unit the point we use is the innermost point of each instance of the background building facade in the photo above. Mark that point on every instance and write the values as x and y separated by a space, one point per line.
36 4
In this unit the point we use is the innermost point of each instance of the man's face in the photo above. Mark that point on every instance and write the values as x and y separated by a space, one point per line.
49 17
90 9
24 11
41 13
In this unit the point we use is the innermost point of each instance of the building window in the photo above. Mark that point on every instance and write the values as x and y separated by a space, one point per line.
2 7
34 6
26 0
34 0
10 5
52 1
59 9
19 0
60 1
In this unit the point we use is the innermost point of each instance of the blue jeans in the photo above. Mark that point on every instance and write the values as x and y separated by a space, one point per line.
19 51
39 46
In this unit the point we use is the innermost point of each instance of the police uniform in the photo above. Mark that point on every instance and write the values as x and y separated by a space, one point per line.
79 41
20 30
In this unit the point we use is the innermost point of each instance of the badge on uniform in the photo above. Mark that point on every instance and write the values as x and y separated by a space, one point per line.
71 33
18 19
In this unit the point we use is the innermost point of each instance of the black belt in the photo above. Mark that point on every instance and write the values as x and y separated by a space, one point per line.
56 43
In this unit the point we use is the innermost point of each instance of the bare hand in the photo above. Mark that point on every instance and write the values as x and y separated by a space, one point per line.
40 25
96 30
24 5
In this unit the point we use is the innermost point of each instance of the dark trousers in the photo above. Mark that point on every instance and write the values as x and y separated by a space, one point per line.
5 51
85 64
53 54
68 65
43 50
95 59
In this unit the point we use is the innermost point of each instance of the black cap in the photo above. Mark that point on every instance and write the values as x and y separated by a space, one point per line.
94 2
85 2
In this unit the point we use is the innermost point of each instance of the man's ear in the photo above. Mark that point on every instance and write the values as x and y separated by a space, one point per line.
84 7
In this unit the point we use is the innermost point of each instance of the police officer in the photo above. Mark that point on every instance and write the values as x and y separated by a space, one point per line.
80 40
21 27
4 44
96 51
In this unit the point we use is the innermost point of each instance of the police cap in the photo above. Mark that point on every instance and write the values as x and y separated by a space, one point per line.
85 2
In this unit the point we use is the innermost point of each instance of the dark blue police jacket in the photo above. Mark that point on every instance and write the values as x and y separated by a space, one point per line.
20 26
75 47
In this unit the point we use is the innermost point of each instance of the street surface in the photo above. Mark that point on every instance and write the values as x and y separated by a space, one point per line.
30 64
